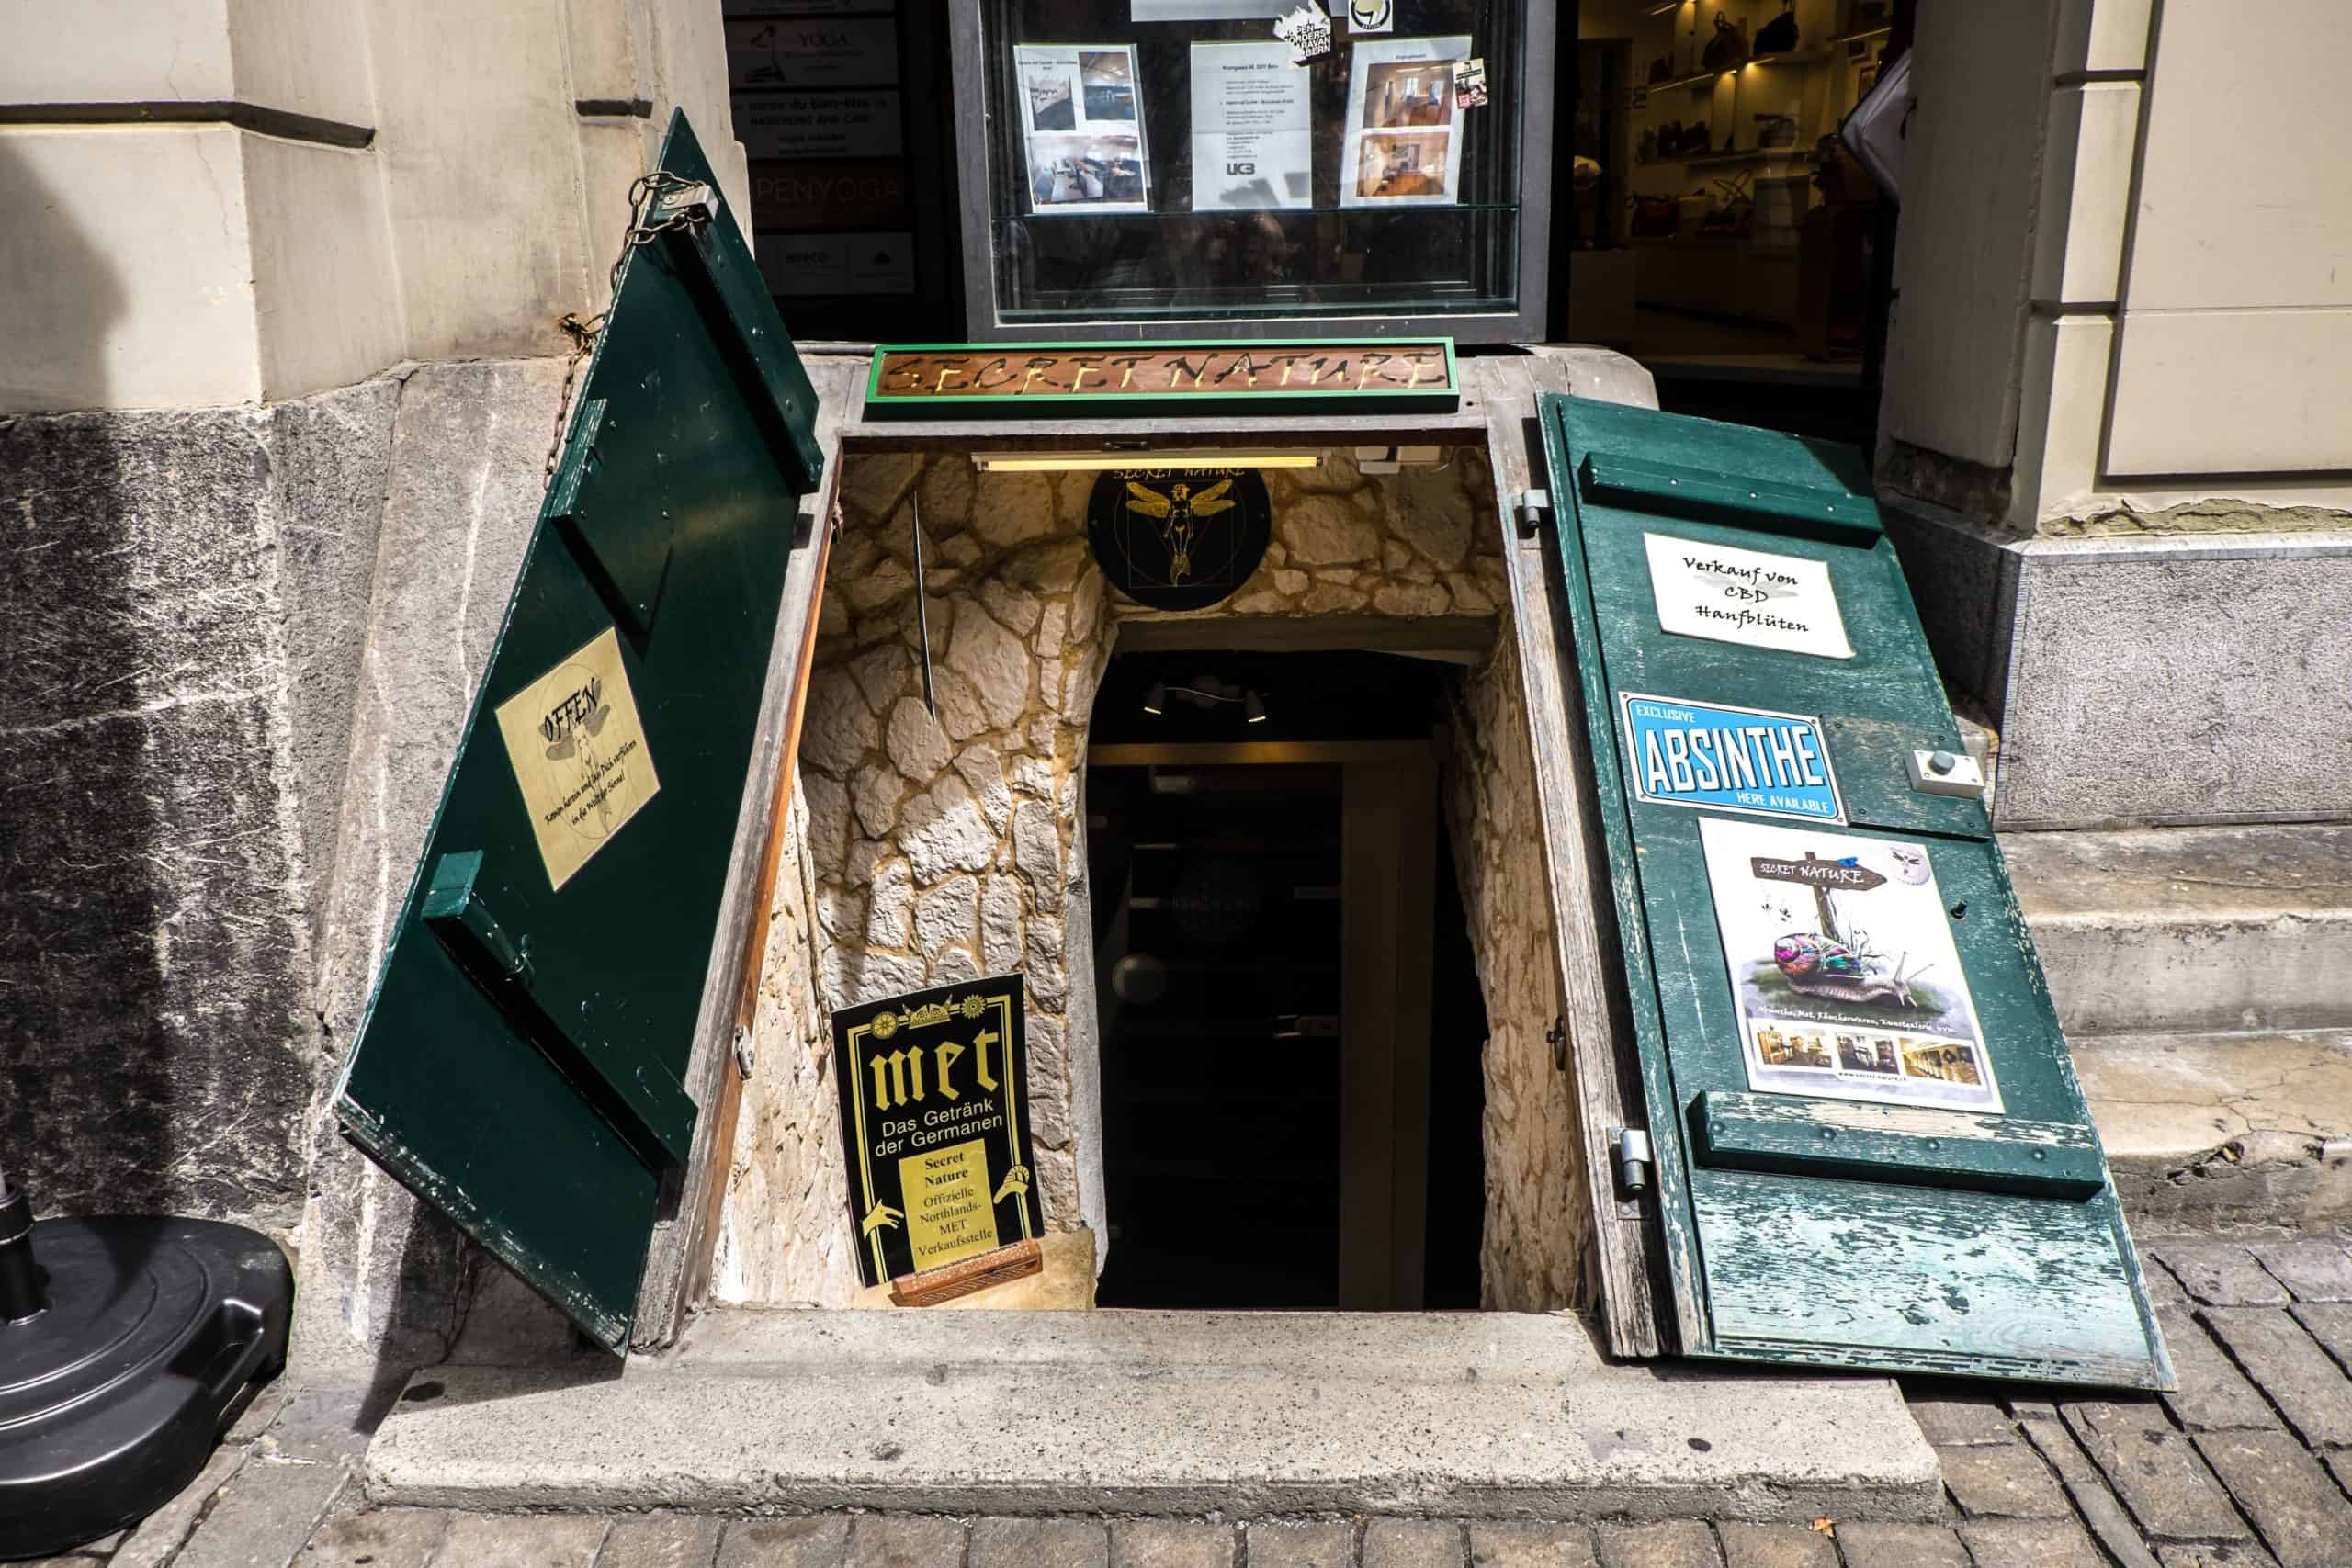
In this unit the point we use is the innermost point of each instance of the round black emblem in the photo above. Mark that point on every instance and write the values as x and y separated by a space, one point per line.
1179 539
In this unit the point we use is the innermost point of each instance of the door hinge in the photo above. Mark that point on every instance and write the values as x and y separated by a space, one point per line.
1634 1160
1535 509
745 1055
1558 1037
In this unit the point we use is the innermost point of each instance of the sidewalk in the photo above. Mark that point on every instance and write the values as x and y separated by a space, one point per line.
2247 1465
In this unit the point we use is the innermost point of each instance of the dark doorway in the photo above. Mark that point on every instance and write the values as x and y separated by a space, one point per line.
1291 1023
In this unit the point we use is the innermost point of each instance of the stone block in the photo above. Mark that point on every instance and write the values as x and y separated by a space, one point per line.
2316 1269
2156 1472
878 1540
381 1538
2001 1481
1530 1546
1171 1543
674 1541
1673 1543
1900 1546
2290 1367
269 1510
2044 1543
2331 1325
2214 1394
2237 1555
1039 1543
1960 1421
151 1542
819 1541
2220 1273
2303 1516
1287 1544
1411 1543
1776 1546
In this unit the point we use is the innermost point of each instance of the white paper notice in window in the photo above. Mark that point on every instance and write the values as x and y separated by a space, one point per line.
1746 596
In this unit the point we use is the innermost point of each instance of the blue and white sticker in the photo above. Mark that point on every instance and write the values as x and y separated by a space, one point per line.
1725 758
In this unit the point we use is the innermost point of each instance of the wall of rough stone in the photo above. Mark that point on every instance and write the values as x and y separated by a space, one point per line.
1538 1228
943 849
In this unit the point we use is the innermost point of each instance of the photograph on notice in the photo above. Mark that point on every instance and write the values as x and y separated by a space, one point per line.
1100 172
1404 137
1051 107
1843 967
1393 167
1108 77
1406 93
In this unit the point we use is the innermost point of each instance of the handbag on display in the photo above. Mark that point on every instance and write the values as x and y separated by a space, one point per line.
1780 35
1728 48
1655 216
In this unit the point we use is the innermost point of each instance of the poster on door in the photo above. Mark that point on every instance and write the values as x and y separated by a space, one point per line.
934 1087
1843 969
1081 120
1404 135
1253 128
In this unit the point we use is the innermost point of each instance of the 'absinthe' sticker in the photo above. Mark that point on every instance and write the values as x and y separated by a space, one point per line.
1713 758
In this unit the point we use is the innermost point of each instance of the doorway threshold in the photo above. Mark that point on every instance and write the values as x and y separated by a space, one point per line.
1481 1415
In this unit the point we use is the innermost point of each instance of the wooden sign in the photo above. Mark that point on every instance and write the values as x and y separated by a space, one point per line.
952 380
934 1118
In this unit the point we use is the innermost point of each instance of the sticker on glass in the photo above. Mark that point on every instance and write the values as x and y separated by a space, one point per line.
1371 16
1746 596
579 753
1308 30
1843 968
1713 758
1470 82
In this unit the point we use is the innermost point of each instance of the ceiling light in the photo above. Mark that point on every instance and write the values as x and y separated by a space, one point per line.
1096 462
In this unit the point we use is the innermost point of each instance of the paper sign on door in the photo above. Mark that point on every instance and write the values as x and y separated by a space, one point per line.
1746 596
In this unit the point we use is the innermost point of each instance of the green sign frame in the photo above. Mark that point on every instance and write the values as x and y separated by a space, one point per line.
1228 376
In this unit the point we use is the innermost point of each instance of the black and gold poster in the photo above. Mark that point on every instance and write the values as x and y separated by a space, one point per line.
935 1119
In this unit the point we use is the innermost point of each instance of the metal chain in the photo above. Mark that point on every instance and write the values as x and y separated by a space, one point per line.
584 333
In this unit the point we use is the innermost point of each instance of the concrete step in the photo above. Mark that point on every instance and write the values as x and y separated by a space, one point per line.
2218 1131
1477 1413
2191 930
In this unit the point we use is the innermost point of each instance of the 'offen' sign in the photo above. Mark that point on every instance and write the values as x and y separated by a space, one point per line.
952 380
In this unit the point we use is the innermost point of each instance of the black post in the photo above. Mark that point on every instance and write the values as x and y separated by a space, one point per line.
20 1293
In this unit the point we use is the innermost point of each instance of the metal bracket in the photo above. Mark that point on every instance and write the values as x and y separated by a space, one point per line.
1634 1158
1532 510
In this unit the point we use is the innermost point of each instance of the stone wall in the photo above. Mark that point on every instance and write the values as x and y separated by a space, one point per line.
1538 1230
942 849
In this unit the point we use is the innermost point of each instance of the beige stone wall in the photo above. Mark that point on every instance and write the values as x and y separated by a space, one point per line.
1538 1229
939 851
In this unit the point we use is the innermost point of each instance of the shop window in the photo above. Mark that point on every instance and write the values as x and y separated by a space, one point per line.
1166 162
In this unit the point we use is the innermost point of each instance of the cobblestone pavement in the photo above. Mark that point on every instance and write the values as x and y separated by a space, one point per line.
2247 1465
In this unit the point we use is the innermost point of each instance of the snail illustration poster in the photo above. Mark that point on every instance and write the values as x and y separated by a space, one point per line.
1843 968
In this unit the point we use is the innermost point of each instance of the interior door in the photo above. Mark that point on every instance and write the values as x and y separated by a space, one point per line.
1870 1148
520 1061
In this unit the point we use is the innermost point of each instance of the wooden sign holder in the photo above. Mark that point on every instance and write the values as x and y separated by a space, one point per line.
933 1286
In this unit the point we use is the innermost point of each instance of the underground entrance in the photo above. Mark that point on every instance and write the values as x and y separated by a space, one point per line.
1378 1117
1289 1013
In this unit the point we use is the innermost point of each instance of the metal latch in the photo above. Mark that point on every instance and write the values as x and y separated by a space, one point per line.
1946 773
694 202
1634 1158
1535 509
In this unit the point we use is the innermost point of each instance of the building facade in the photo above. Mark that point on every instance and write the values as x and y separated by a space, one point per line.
287 303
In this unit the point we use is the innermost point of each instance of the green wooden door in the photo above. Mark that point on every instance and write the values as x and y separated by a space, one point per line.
1871 1147
520 1064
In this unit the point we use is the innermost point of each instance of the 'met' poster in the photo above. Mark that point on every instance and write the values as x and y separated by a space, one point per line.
935 1123
1843 969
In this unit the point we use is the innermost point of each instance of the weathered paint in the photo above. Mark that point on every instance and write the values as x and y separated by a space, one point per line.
520 1064
1931 1239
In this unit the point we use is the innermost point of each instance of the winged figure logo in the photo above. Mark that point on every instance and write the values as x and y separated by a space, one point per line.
1179 511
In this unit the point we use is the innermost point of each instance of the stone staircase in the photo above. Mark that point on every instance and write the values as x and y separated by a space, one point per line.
2204 976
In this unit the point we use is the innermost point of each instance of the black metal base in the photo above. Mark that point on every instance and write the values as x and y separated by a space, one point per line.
113 1396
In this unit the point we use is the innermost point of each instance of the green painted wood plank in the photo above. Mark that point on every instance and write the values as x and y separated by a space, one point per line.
1863 1142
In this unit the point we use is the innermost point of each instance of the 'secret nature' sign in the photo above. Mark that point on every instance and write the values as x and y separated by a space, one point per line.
941 380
